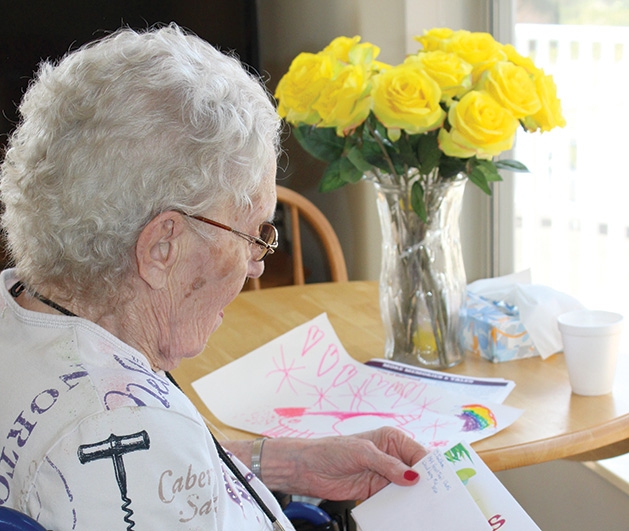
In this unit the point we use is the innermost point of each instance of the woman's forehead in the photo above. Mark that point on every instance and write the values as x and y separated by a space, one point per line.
266 200
262 207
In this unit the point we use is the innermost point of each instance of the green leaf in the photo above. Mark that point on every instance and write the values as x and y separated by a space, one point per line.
338 174
477 176
398 163
357 158
407 153
380 129
451 166
488 168
321 142
397 153
428 153
511 165
373 153
417 201
331 179
349 172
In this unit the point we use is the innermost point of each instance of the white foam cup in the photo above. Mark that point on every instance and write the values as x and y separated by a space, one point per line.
590 345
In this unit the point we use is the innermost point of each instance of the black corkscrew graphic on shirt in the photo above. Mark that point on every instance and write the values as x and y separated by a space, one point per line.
115 447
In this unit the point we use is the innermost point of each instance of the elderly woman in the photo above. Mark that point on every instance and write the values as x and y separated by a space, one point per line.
139 189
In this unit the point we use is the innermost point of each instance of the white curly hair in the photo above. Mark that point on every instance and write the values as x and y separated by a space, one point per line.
118 131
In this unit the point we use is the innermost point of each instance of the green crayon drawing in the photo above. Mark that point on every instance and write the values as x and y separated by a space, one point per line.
465 474
457 453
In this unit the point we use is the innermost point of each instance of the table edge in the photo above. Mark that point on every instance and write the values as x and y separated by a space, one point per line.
582 442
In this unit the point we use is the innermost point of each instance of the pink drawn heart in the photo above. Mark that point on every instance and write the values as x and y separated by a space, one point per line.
329 360
346 374
376 383
315 334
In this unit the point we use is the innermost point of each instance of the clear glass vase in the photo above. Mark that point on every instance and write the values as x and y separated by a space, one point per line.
422 280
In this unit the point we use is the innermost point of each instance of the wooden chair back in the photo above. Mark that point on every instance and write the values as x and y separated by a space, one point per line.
297 208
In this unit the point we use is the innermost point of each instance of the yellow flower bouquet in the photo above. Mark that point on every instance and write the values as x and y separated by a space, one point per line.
448 109
418 130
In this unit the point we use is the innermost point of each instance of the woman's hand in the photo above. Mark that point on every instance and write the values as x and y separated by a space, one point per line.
341 468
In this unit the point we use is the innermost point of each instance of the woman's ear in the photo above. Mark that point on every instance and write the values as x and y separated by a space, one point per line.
158 248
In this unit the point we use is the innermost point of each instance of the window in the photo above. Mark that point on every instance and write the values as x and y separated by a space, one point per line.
569 221
570 217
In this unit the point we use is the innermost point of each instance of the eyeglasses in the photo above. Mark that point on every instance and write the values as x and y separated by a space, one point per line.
264 245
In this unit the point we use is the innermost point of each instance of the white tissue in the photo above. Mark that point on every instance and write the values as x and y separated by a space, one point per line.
538 306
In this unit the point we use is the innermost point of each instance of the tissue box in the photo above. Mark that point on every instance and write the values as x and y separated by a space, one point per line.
494 331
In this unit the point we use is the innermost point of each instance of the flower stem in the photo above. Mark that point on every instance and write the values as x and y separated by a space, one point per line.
385 153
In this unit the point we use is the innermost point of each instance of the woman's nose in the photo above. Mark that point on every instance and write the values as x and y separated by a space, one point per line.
255 269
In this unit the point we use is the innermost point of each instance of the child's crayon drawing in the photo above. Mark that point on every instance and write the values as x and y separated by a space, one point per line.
304 384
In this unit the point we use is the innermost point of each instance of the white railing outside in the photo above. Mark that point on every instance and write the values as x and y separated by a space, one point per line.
572 210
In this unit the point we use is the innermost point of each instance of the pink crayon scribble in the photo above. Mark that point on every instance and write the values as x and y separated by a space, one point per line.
360 393
322 396
291 417
329 360
283 430
426 406
435 426
410 394
314 335
344 376
287 372
394 389
376 383
291 412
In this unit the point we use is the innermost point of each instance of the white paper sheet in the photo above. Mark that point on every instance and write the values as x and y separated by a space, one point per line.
456 491
487 389
304 384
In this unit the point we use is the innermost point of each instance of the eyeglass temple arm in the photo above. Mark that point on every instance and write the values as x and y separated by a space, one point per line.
215 223
252 239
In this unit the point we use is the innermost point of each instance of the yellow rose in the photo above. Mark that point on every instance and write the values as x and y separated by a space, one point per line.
345 102
378 66
435 39
512 87
451 73
549 115
405 97
339 48
517 59
300 87
479 126
479 49
350 50
363 54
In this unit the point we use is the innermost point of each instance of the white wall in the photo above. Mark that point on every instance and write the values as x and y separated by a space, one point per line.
566 496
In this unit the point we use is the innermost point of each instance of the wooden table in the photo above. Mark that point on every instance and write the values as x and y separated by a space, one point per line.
556 424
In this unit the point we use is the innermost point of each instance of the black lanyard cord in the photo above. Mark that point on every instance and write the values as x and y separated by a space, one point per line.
236 471
17 289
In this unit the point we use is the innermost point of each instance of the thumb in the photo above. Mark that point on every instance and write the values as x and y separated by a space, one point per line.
397 472
409 477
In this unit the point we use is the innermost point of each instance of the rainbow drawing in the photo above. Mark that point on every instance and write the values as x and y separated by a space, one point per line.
477 417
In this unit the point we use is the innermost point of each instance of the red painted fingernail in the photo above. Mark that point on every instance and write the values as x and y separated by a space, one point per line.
410 475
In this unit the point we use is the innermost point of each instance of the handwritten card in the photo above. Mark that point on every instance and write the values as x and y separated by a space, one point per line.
438 502
456 491
304 384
